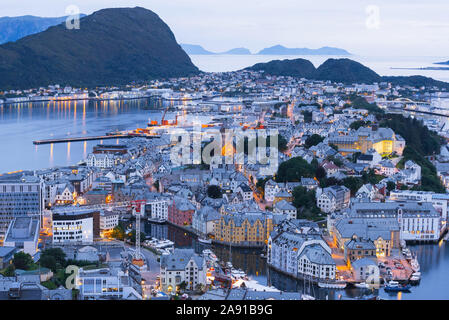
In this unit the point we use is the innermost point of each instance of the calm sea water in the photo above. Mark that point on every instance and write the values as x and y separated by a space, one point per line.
433 259
21 124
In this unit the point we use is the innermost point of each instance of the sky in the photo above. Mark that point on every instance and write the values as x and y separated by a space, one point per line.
363 27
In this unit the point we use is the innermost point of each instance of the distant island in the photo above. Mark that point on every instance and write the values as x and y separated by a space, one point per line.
112 47
444 63
341 71
325 51
15 28
195 49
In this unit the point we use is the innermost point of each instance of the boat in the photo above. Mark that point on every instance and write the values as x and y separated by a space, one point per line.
394 286
362 285
415 264
332 285
307 297
237 273
414 279
157 220
202 240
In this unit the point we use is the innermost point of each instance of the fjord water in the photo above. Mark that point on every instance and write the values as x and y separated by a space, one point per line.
433 259
21 124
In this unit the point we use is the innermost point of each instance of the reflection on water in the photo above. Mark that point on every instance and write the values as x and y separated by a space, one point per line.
22 123
433 259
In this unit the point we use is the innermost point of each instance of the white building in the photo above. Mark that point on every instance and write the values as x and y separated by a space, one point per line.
108 220
23 233
157 208
285 207
73 227
203 220
183 265
418 221
301 255
100 160
105 284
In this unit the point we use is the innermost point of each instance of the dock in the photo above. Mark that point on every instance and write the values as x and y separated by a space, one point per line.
80 139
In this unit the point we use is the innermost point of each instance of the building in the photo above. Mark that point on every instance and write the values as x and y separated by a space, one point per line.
78 226
300 252
359 248
365 269
204 220
20 195
100 160
105 284
157 209
180 211
418 221
384 233
285 207
182 266
6 256
438 200
23 234
383 140
108 221
250 229
333 198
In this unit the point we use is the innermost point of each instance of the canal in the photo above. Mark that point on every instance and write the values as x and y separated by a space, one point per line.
433 259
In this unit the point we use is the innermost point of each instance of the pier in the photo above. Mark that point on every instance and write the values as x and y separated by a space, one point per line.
78 139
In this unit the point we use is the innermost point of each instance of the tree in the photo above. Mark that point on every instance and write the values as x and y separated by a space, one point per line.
214 192
294 169
353 184
49 262
118 233
320 173
183 286
10 271
313 140
391 186
55 257
22 261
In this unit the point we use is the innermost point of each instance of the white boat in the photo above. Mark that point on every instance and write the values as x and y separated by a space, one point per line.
307 297
362 285
332 285
202 240
415 264
237 273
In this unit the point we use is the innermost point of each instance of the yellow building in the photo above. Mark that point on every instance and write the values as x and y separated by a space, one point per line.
248 229
383 140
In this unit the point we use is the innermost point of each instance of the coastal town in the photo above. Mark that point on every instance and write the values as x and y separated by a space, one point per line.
362 173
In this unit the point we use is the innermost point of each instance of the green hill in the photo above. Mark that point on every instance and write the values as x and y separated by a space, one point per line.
112 47
296 68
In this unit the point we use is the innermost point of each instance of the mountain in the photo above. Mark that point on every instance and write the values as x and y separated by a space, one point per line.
445 63
238 51
281 50
112 47
296 68
345 70
14 28
195 49
340 70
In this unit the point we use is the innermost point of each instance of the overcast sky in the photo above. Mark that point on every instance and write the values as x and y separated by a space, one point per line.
376 27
